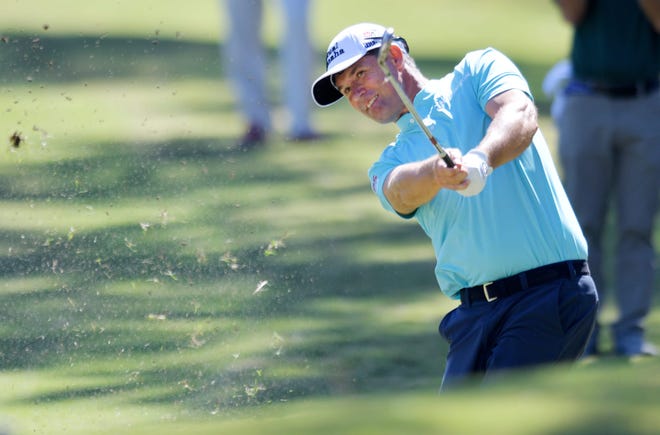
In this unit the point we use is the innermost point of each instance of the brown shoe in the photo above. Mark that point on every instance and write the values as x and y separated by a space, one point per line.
254 136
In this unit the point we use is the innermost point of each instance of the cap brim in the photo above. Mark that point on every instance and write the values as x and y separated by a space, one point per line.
323 91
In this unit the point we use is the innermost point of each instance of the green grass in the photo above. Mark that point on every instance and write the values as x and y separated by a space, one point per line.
155 281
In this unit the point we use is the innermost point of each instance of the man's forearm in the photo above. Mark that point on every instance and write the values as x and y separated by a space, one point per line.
411 185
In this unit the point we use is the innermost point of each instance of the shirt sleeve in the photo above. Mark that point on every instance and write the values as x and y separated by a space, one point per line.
494 73
378 174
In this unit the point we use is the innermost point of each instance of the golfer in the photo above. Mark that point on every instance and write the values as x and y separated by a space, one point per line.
506 240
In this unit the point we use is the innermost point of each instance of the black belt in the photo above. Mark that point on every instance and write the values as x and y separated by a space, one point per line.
504 287
637 89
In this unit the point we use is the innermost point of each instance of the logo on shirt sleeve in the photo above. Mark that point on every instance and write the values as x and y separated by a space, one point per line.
374 183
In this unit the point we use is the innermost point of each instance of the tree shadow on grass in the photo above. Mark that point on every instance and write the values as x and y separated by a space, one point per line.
50 59
45 59
80 321
136 169
113 295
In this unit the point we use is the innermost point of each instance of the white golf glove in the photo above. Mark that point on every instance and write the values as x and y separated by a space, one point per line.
478 171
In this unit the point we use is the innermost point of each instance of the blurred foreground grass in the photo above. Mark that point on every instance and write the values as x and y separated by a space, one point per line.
154 280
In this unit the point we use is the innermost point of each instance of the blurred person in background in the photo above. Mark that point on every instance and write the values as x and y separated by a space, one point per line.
245 61
609 145
554 85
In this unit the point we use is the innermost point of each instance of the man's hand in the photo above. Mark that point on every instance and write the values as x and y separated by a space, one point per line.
455 178
476 164
409 186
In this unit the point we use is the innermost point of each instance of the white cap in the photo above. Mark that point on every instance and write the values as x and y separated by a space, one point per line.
349 46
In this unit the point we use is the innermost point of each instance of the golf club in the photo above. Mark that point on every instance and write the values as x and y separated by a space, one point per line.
388 36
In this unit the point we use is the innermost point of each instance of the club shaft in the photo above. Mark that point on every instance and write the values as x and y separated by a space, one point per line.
382 61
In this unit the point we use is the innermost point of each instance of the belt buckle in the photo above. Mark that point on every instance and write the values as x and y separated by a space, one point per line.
486 295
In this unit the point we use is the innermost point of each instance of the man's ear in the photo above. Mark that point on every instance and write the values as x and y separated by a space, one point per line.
396 54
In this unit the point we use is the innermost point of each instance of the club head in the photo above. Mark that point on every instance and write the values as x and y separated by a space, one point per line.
388 36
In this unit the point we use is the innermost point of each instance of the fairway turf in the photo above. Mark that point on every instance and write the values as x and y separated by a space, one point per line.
156 281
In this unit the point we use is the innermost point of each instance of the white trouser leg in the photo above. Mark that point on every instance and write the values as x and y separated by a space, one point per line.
295 55
245 59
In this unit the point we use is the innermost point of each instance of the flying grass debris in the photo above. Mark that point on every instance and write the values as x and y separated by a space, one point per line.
196 342
170 274
230 260
277 343
260 287
16 139
275 245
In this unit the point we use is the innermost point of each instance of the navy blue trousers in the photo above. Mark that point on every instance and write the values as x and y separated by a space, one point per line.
544 324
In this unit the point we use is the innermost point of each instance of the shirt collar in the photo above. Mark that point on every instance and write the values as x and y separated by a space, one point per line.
406 122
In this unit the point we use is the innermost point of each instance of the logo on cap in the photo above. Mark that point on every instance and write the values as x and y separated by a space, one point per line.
332 54
370 42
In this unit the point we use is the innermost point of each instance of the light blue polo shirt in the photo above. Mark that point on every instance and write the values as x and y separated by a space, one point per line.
521 220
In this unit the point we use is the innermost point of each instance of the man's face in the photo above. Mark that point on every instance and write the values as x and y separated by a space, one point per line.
367 90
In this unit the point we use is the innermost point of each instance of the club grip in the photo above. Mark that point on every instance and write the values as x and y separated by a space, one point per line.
443 154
